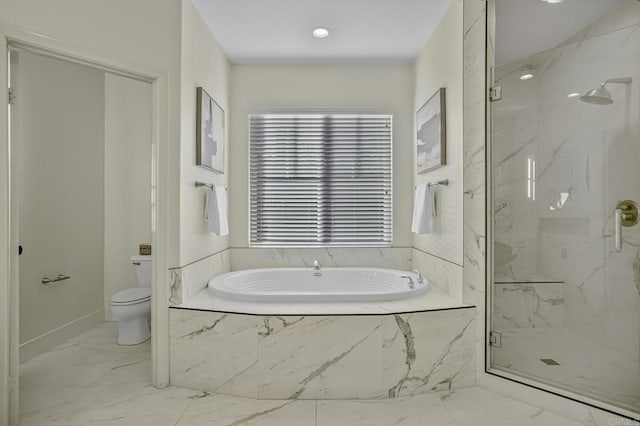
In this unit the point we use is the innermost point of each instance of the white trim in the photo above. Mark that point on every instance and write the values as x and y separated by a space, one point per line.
54 337
9 350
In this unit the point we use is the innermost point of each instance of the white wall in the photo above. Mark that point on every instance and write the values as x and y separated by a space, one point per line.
203 64
264 87
440 65
60 175
143 34
127 180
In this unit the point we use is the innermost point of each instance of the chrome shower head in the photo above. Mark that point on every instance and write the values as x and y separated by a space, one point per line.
600 95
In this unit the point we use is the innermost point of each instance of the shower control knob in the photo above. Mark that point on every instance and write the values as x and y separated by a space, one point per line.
625 214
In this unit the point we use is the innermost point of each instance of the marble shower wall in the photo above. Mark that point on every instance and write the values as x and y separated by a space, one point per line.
474 205
528 305
586 160
322 357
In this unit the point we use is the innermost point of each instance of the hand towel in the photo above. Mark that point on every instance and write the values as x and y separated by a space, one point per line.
215 210
424 209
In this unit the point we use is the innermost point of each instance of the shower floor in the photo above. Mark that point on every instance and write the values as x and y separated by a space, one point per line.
561 358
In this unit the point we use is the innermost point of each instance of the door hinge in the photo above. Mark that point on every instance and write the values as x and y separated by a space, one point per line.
12 97
495 93
495 339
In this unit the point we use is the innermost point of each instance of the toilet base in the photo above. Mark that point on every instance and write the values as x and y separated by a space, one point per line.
133 331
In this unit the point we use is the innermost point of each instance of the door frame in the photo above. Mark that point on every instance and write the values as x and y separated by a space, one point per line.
522 379
9 327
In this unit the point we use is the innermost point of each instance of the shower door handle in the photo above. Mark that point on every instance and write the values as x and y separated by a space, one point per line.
618 229
626 214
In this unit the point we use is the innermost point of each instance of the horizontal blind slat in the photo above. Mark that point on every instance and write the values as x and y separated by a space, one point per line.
319 179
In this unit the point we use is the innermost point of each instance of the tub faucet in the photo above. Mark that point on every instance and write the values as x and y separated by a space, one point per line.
420 277
316 265
411 283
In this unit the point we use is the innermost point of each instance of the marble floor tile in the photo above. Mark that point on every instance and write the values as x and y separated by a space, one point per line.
120 394
223 410
418 410
475 406
585 367
134 407
62 373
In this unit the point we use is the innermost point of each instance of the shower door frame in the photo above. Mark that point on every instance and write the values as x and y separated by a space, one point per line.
530 381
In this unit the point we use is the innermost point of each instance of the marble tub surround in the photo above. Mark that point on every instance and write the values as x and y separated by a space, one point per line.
379 257
445 275
322 357
433 300
187 281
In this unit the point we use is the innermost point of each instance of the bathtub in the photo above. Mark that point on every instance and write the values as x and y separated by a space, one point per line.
324 285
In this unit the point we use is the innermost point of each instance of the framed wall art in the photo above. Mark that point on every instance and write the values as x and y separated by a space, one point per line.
209 132
431 137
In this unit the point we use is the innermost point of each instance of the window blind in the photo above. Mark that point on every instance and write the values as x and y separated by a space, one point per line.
320 179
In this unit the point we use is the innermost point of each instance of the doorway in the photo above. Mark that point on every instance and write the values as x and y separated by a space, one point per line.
565 288
82 139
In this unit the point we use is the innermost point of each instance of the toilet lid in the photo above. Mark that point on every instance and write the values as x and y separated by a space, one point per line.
132 295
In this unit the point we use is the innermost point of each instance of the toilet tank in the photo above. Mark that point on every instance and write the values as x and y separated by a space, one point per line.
144 272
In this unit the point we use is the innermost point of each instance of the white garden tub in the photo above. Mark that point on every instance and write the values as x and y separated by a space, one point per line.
324 285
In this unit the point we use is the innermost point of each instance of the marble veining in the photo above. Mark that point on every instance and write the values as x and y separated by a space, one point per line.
121 395
444 360
523 305
187 281
322 357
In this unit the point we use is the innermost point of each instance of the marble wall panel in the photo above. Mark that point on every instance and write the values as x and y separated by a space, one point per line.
188 280
427 353
378 257
322 357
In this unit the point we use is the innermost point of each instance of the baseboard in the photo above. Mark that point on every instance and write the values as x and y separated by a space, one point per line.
58 335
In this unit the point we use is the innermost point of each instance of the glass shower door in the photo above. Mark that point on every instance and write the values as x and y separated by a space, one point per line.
565 152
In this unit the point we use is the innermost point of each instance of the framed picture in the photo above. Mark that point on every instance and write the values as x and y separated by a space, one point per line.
209 132
431 140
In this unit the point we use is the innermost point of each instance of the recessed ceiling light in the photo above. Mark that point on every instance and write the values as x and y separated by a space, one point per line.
527 76
553 1
321 32
573 95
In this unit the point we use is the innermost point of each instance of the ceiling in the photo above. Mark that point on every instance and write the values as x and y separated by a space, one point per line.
279 31
519 32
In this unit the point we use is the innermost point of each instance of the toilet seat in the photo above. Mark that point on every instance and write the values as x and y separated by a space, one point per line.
131 296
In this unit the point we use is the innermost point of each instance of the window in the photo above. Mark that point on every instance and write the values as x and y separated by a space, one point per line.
320 179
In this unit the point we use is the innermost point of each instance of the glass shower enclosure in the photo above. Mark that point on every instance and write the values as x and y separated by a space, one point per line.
564 173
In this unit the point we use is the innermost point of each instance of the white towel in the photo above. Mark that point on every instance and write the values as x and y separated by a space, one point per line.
424 209
215 210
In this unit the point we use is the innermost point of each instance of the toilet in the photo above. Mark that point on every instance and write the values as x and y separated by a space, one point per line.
132 307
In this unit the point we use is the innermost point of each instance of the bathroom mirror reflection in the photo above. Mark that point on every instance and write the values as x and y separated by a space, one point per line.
565 311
